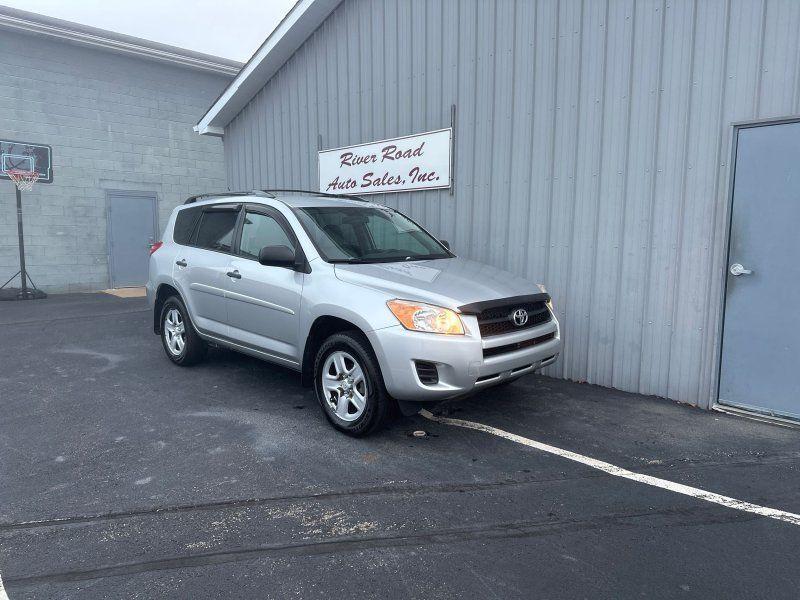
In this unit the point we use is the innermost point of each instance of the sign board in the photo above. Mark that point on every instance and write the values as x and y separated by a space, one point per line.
414 162
23 156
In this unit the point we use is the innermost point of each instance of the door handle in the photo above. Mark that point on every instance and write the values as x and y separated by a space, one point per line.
737 270
234 274
181 262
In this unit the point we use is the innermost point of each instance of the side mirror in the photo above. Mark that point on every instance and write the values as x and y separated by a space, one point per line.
277 256
445 243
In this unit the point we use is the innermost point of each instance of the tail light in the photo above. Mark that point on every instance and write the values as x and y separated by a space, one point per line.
155 247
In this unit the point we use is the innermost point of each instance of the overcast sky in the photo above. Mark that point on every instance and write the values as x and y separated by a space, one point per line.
228 28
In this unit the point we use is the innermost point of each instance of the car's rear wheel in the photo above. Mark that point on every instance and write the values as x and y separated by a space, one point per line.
181 342
349 385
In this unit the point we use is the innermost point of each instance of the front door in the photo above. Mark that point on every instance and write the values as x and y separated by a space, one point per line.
131 232
264 302
761 335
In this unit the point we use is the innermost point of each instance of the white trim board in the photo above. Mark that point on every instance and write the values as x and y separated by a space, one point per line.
281 44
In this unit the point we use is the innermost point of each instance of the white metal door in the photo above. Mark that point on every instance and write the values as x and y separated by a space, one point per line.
761 335
131 232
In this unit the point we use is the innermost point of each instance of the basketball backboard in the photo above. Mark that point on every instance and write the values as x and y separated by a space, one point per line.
26 157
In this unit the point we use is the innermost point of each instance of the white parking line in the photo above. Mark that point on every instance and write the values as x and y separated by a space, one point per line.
3 595
679 488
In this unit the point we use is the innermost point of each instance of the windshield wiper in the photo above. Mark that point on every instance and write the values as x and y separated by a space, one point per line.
374 260
354 261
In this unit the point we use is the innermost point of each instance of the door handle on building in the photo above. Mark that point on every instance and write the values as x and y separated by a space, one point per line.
738 269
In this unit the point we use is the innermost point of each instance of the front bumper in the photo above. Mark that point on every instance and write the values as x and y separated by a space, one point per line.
460 361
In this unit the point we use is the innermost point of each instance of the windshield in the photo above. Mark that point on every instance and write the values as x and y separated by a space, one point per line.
358 234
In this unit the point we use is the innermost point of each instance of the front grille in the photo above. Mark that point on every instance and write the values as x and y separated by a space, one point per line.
427 372
487 352
498 320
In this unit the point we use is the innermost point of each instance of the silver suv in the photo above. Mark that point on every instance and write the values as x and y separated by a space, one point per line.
357 297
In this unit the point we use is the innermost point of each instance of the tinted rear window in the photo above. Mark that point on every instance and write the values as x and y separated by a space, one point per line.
216 230
184 225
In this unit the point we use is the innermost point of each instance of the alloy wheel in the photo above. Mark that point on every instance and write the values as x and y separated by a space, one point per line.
344 385
175 332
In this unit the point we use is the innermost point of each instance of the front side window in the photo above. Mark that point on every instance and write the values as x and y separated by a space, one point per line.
261 230
216 230
367 234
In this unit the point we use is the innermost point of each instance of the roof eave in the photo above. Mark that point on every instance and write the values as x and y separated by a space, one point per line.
31 23
209 130
304 18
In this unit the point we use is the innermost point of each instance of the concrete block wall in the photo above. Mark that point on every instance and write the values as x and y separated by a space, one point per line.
115 123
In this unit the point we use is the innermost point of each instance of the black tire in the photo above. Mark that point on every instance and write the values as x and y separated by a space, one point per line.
194 348
378 406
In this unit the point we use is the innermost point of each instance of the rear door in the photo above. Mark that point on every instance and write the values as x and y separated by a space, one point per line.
761 334
201 269
264 302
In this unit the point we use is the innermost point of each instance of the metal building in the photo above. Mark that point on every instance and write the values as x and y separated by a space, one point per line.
594 144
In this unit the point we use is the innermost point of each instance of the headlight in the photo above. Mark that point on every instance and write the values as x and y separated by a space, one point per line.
418 316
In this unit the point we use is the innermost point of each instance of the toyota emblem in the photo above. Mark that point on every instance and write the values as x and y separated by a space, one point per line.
520 317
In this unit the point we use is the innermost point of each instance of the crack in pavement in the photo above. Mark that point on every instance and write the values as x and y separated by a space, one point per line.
247 502
520 529
410 490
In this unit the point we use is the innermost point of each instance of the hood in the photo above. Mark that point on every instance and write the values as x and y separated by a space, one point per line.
449 282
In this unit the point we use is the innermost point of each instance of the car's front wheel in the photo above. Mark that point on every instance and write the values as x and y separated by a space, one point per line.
181 342
349 385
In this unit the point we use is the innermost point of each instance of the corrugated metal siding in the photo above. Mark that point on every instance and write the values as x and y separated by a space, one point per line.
592 150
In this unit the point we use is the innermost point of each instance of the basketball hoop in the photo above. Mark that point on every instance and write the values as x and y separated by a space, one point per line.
25 164
24 180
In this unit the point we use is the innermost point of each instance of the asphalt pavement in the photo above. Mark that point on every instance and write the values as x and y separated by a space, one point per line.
124 476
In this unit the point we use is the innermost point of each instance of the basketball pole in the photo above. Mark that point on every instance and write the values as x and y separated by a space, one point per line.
23 273
25 291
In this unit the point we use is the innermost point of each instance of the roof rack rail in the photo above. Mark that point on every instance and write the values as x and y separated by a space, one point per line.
193 199
315 193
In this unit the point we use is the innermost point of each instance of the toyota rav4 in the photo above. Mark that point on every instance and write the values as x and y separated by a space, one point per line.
369 307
